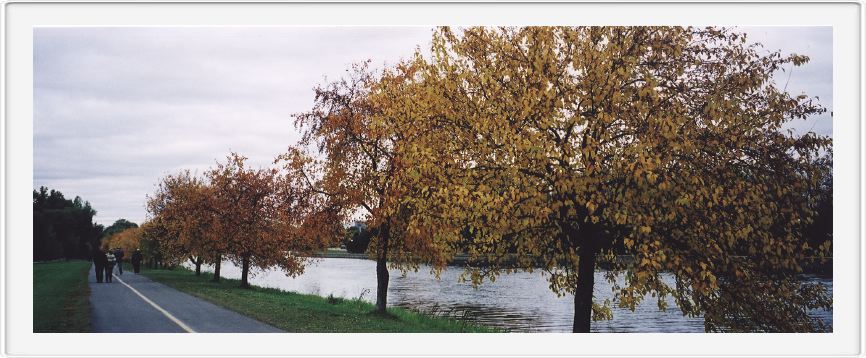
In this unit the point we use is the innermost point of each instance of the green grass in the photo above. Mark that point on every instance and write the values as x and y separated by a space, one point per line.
61 297
294 312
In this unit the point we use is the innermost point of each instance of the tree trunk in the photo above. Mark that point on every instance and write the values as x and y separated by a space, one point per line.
198 262
382 271
585 279
583 292
216 267
245 271
382 284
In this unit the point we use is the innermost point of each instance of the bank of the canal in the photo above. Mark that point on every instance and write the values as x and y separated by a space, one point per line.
295 312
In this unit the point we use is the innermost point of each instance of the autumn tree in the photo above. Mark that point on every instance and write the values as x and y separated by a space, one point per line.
128 239
543 147
356 129
182 203
256 214
155 241
118 226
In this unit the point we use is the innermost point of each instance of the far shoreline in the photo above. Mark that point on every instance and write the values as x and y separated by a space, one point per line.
821 269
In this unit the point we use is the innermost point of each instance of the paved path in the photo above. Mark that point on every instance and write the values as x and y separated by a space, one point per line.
134 303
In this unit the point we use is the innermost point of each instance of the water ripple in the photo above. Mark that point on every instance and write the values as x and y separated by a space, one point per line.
519 302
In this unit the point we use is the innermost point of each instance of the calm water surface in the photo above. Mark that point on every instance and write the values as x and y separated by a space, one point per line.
519 302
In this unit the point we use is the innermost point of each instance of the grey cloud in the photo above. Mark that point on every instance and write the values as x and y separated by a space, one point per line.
815 78
117 108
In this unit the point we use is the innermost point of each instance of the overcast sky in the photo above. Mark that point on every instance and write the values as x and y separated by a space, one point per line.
115 109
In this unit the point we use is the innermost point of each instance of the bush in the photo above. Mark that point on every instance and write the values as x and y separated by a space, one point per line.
357 239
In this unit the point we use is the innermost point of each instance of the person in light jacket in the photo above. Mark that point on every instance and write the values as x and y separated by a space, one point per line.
109 265
118 255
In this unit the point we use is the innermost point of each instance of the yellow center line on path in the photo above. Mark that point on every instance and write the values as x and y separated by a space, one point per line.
160 309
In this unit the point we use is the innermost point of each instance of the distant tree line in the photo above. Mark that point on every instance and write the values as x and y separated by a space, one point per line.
119 226
63 228
820 230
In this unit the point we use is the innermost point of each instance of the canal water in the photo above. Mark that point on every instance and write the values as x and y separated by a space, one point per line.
518 302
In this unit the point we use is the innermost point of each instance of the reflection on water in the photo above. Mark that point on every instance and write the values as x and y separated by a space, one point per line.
520 302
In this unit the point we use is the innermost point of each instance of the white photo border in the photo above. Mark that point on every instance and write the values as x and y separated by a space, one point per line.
17 169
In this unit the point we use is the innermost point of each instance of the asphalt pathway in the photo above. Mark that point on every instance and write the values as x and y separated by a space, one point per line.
136 304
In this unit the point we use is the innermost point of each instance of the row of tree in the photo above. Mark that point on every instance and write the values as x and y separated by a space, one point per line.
130 237
63 228
545 148
251 217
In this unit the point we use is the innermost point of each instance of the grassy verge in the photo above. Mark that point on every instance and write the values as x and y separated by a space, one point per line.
61 297
294 312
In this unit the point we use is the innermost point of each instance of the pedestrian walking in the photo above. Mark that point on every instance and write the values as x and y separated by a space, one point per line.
118 254
109 266
136 261
99 262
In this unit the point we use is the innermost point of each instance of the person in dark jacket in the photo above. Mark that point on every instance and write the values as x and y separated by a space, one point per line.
136 261
118 255
99 262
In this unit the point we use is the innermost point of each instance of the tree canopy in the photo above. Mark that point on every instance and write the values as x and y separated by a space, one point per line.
551 144
63 228
252 217
118 226
129 240
357 129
